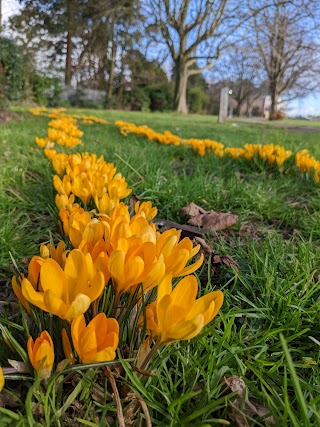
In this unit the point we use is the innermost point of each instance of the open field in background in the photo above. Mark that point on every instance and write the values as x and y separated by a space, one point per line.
276 289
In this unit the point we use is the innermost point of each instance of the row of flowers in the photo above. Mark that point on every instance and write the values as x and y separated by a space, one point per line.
112 283
269 153
63 129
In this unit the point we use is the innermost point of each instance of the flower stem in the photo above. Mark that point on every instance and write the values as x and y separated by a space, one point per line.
148 357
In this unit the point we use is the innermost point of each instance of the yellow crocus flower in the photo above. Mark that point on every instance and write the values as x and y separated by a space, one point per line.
41 354
177 314
69 292
146 209
34 268
177 254
96 342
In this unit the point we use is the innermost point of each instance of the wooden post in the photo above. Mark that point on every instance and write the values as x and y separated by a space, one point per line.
223 108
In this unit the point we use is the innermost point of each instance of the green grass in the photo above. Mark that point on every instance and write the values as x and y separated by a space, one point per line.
274 294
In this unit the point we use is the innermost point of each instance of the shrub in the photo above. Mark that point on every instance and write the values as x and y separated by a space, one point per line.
12 69
138 99
278 115
161 97
46 90
197 100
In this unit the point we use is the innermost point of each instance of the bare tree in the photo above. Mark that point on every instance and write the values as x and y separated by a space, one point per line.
286 37
242 71
194 32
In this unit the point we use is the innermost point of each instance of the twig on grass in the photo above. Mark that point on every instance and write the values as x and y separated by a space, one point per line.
116 397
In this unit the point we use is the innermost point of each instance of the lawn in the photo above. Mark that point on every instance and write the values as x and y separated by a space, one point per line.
268 329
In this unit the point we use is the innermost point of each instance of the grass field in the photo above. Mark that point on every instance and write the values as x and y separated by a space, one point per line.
268 331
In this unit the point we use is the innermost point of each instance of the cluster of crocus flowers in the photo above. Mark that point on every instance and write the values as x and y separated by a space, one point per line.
89 178
62 131
306 163
58 113
108 286
269 153
167 138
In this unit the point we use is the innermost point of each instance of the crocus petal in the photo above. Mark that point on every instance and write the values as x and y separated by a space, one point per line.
165 287
185 292
34 269
191 268
18 292
88 343
185 330
77 326
76 271
105 355
53 278
208 305
78 306
36 298
54 304
95 286
2 379
30 345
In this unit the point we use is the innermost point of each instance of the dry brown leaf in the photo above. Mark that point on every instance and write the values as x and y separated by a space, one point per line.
208 220
8 400
214 221
193 210
144 351
21 367
206 249
242 407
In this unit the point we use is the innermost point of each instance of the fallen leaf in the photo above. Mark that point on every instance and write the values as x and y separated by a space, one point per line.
206 249
242 407
20 367
193 210
248 230
214 221
10 400
229 261
144 351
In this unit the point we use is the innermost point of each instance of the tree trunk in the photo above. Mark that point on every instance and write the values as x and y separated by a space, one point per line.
111 70
180 97
238 109
274 100
68 70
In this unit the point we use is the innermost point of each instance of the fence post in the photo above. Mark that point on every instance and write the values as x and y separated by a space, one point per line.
223 108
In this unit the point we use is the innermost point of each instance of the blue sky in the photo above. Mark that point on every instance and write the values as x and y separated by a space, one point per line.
307 106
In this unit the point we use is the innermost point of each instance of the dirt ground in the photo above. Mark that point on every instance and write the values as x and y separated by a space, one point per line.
7 116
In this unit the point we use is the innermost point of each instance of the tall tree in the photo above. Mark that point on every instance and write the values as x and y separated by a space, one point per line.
287 39
243 72
194 32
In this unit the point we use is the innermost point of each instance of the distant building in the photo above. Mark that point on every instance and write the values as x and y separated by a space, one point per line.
260 107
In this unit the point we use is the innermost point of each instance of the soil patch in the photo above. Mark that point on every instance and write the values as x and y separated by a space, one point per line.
8 116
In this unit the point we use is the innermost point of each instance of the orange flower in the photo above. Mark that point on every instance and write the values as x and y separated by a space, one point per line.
41 354
177 314
96 342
